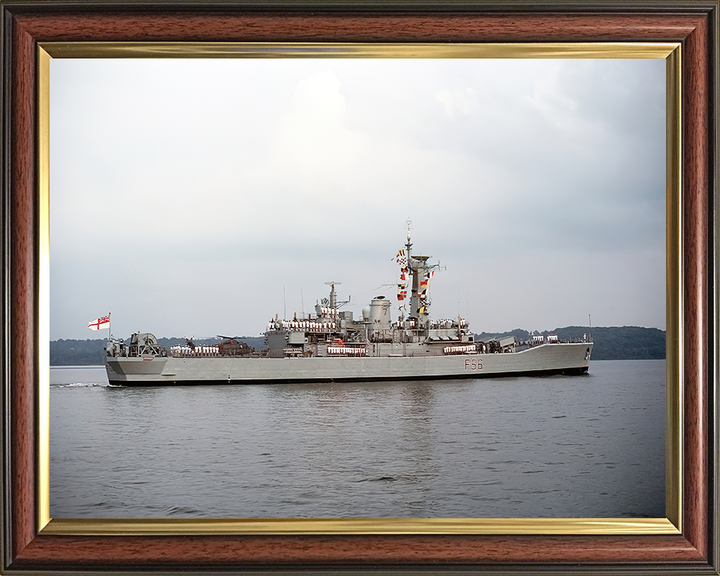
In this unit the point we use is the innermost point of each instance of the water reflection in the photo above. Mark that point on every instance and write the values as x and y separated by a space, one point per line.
560 446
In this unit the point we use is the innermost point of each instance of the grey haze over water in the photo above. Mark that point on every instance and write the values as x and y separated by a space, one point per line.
555 446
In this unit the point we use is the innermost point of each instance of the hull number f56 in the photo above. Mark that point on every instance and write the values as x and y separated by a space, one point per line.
473 364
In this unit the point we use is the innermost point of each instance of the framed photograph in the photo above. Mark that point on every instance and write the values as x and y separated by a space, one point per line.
681 37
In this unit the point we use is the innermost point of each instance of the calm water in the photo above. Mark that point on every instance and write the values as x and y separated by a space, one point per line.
556 446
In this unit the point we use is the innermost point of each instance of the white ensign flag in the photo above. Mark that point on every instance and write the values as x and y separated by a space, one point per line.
100 323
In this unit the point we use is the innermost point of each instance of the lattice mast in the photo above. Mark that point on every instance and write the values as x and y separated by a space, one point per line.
418 272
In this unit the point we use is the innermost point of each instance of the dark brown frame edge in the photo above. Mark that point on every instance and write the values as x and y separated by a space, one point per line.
25 23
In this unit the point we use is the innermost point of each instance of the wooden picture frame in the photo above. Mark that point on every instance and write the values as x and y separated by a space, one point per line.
29 548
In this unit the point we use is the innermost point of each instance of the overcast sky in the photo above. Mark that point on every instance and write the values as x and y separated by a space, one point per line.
202 197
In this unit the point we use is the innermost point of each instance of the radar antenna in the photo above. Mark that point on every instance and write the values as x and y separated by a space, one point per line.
333 295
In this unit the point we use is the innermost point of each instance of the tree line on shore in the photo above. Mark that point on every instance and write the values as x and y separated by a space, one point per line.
611 343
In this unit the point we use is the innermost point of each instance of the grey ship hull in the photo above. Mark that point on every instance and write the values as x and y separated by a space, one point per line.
568 358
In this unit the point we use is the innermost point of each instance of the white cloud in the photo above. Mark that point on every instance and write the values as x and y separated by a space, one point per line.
458 103
188 192
553 103
318 103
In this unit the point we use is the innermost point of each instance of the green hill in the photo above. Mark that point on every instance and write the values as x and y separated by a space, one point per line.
612 343
621 343
92 352
77 352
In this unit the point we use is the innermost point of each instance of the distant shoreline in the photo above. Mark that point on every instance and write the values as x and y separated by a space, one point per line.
69 367
611 343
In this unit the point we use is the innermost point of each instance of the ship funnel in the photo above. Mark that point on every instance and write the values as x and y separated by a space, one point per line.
380 313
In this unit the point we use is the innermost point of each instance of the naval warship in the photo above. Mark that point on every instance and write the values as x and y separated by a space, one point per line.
332 345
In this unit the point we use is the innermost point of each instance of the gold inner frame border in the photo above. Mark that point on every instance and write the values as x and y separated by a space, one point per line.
670 51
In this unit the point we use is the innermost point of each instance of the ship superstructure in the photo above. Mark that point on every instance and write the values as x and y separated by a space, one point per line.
333 345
